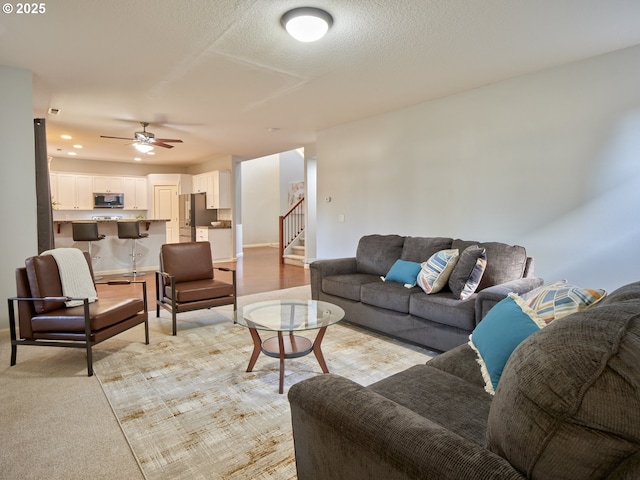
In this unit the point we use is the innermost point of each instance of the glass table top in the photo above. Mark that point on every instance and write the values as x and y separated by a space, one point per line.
288 315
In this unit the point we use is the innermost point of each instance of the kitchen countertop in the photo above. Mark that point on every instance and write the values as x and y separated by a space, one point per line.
111 220
146 221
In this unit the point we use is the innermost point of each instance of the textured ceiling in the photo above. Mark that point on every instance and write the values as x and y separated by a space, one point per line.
219 74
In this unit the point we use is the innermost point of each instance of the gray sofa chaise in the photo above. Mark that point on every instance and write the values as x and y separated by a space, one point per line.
567 408
439 321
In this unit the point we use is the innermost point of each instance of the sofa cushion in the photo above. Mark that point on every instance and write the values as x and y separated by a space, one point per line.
570 390
420 249
504 262
403 272
443 398
347 286
390 295
435 272
468 272
559 299
376 253
444 308
497 336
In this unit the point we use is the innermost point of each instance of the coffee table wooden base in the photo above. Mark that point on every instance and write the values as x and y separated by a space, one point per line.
286 345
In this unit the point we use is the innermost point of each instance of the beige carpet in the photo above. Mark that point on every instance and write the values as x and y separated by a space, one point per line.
185 404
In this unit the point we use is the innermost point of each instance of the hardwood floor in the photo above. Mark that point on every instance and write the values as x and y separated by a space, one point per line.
258 270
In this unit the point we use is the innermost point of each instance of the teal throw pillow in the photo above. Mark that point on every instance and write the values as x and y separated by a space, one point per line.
403 271
497 336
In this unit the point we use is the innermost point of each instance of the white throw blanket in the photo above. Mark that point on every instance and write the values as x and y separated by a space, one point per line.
75 275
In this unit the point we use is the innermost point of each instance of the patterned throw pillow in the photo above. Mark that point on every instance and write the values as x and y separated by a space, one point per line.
468 272
403 271
559 299
435 272
498 335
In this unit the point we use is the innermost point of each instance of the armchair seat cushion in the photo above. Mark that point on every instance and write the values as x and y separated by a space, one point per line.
103 313
445 399
197 290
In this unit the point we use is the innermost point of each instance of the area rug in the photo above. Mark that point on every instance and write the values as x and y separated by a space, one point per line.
190 410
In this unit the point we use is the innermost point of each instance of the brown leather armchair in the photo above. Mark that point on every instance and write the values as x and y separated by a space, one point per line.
44 319
186 280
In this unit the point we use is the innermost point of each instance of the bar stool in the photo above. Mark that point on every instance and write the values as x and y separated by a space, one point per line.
131 230
87 232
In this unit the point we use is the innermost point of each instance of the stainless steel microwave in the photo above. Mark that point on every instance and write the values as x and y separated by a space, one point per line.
108 200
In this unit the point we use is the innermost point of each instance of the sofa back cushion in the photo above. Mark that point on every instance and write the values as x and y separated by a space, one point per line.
420 249
504 262
568 403
376 254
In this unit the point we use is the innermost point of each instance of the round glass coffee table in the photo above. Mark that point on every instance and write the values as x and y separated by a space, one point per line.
284 317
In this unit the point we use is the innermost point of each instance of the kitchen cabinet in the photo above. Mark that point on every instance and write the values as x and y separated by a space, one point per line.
219 190
220 241
202 234
74 192
53 186
135 193
217 186
104 184
199 183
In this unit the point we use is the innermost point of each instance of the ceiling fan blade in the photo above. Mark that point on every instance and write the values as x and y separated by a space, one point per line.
160 144
117 138
168 140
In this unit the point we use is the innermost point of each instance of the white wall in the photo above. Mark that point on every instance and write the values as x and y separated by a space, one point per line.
550 161
260 200
291 171
17 181
265 184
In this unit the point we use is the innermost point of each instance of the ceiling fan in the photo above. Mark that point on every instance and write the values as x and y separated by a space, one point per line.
145 141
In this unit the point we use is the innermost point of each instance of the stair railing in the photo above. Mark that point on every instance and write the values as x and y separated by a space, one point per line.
291 226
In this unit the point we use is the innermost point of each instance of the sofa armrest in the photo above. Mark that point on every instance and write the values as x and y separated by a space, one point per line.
343 430
323 268
488 297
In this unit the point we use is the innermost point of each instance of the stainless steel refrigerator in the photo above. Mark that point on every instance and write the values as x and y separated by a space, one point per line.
192 213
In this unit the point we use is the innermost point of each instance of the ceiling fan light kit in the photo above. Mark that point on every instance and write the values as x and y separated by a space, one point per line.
143 147
307 24
145 141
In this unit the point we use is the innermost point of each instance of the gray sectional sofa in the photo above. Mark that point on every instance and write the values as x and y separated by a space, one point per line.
439 321
567 407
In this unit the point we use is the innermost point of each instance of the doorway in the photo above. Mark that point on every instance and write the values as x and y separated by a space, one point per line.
165 206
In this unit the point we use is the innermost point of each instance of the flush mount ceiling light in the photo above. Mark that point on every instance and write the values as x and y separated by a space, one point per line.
143 147
306 24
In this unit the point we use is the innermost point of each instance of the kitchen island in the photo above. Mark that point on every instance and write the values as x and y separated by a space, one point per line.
112 255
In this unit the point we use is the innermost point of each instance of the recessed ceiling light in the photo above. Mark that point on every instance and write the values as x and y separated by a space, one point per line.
77 146
72 153
66 137
138 159
151 153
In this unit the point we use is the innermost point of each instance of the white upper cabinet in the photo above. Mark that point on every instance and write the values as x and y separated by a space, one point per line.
217 186
102 184
135 193
75 192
